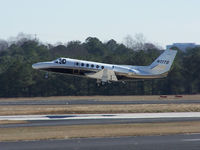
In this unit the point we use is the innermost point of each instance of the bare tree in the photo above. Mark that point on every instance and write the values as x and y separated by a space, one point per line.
139 42
136 43
128 41
3 45
21 38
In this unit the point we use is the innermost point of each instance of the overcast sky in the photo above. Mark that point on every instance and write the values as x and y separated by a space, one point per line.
160 21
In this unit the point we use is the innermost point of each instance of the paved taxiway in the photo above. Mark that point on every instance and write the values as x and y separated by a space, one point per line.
167 142
96 102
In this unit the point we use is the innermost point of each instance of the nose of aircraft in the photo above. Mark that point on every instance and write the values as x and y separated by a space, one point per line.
42 65
36 66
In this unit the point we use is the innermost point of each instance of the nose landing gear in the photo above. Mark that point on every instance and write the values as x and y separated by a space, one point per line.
46 75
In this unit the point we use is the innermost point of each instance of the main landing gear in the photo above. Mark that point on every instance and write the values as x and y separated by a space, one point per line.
102 83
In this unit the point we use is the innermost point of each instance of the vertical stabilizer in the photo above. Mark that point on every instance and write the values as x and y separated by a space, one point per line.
164 62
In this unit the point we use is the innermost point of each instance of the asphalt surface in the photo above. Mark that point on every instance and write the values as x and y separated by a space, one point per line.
175 142
167 142
39 123
97 102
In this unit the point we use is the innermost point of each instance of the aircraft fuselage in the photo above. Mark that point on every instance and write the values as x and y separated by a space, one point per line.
110 72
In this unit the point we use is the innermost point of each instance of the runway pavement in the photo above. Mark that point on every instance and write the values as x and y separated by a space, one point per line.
83 119
175 142
167 142
41 123
96 102
103 116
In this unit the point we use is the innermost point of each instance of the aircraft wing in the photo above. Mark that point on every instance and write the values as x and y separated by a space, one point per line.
104 75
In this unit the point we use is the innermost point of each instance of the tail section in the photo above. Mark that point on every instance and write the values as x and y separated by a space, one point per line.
164 62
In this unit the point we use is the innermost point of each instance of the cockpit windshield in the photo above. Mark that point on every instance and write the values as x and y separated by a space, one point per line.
56 61
60 61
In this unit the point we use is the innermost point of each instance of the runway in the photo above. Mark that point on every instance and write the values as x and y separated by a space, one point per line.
103 116
86 119
172 142
41 123
96 102
177 142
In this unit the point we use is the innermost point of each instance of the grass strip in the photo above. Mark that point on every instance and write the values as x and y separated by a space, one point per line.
92 109
107 98
13 121
86 131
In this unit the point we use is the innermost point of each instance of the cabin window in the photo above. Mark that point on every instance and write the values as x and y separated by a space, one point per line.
77 63
82 64
113 67
87 65
97 66
102 67
92 65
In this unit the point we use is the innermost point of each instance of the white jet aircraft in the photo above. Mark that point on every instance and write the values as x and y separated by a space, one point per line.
110 72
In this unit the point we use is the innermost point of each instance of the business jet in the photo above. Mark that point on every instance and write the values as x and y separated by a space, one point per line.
110 72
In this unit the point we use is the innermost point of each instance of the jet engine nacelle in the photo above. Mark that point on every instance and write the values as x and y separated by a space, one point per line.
127 70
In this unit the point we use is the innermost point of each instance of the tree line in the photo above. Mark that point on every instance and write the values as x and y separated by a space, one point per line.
18 79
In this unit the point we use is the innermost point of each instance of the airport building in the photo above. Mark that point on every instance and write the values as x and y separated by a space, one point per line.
183 46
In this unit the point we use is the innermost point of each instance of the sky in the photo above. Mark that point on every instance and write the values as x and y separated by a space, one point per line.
160 21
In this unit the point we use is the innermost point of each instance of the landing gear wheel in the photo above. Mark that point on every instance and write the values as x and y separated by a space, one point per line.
46 75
